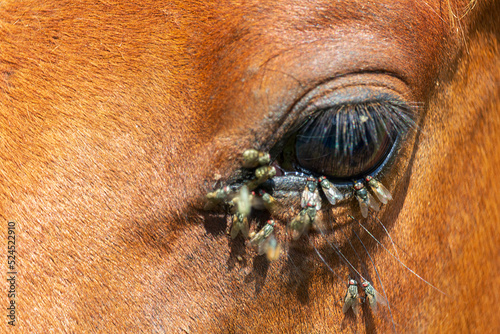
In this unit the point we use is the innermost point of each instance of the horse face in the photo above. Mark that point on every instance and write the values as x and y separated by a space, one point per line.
119 118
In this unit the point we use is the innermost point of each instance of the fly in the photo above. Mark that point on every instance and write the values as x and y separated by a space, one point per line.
244 206
311 203
262 174
331 192
351 298
302 222
310 195
269 202
240 224
216 197
372 296
253 158
365 199
379 190
262 238
273 249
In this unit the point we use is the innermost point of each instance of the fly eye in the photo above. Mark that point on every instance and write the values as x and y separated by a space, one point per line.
347 141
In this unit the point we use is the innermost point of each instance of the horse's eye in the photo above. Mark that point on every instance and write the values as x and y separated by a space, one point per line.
346 141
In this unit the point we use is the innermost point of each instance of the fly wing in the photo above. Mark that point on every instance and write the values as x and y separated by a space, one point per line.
332 194
373 203
257 238
235 229
355 306
363 206
348 302
351 301
267 236
386 192
319 224
244 227
299 224
380 299
317 200
382 193
273 249
305 197
372 301
262 246
375 299
244 202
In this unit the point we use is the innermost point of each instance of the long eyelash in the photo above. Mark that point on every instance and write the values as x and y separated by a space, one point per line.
363 121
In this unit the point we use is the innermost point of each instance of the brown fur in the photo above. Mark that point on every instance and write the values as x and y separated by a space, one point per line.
116 116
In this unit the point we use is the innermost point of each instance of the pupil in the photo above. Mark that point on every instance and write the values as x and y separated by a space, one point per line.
348 143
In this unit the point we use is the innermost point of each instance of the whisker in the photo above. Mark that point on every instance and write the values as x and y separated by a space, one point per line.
404 265
324 261
353 248
287 252
387 232
394 244
378 276
339 253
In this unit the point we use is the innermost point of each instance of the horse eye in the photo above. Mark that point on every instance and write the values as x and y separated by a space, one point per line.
347 141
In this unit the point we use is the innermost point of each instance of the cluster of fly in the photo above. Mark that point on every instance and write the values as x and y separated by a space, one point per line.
249 196
347 142
352 298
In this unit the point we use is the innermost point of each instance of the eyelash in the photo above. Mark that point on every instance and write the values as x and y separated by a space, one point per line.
388 114
346 135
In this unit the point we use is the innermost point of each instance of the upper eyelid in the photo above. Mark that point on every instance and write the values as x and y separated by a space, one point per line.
389 113
347 88
409 111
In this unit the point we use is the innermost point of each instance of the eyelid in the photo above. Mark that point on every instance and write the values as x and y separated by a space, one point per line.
331 99
355 95
348 89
